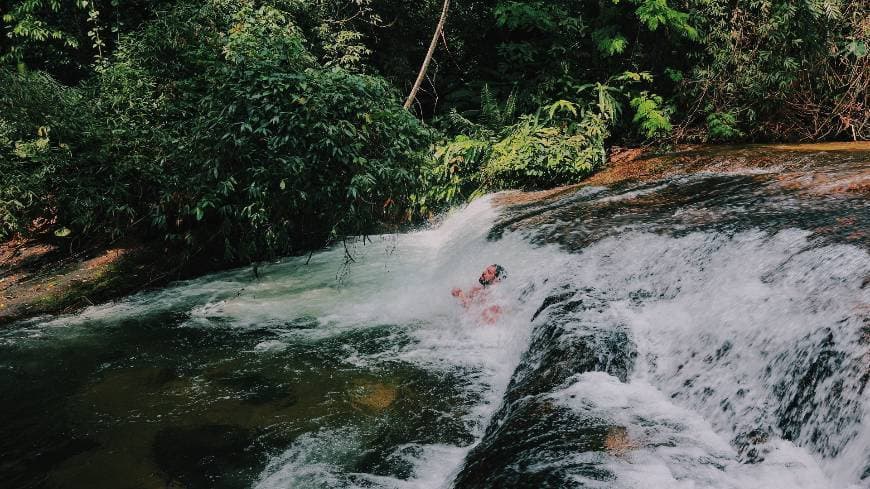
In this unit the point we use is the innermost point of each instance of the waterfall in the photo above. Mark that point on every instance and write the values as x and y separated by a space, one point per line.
712 331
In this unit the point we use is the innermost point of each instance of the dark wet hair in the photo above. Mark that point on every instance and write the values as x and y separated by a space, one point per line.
500 274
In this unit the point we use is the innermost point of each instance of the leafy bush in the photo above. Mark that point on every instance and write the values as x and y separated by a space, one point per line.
650 115
35 159
20 185
217 129
541 152
722 126
560 144
288 153
782 69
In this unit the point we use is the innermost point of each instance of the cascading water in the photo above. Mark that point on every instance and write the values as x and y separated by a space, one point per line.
701 331
712 332
322 373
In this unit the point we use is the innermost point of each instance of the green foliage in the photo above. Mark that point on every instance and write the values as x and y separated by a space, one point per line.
345 49
286 153
27 27
76 160
783 69
452 176
19 187
650 115
562 143
254 128
69 39
657 13
528 16
609 42
674 75
492 116
856 48
215 127
542 152
606 98
722 126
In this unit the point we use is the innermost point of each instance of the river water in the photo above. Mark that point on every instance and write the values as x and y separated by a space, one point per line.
696 331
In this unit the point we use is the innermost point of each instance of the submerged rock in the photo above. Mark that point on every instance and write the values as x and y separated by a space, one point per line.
752 446
618 442
207 456
373 395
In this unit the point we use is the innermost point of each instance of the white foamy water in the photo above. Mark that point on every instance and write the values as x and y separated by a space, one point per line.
668 446
409 285
734 334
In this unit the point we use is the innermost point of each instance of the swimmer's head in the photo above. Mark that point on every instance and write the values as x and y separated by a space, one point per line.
491 274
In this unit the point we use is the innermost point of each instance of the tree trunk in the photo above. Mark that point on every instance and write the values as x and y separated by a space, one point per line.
428 58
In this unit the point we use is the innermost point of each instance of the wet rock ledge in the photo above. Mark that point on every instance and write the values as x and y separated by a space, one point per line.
530 440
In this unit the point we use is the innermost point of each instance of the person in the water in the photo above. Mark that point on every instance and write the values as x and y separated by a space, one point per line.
476 295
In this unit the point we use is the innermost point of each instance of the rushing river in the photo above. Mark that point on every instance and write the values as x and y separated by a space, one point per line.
703 331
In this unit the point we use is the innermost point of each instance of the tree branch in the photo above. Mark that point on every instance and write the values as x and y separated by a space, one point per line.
428 59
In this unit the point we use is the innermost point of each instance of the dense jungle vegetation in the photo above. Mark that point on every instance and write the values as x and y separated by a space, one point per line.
244 129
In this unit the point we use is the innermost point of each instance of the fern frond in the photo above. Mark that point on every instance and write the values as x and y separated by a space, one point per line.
462 123
510 108
561 106
490 115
